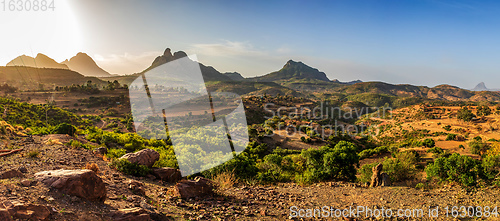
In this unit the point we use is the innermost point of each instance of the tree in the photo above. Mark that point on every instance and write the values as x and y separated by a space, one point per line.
465 114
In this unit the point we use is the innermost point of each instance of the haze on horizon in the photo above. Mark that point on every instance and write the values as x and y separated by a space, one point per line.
428 42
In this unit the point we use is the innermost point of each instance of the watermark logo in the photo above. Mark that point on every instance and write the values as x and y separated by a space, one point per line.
206 128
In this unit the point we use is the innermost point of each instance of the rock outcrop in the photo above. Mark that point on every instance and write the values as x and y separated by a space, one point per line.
10 174
82 183
132 214
20 210
198 187
146 157
167 174
379 178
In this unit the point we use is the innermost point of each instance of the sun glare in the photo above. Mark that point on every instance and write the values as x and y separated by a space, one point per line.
51 32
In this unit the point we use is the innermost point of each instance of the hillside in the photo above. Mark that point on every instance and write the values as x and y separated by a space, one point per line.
293 71
85 65
40 61
441 92
31 78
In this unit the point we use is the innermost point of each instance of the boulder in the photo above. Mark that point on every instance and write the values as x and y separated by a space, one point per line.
20 210
132 214
145 157
167 174
198 187
10 174
82 183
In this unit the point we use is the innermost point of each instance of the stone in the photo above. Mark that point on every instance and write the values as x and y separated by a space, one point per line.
27 182
5 215
136 187
376 170
167 174
198 187
26 211
101 150
11 174
146 157
82 183
132 214
23 169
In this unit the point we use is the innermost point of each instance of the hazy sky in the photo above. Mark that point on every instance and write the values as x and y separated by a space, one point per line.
418 42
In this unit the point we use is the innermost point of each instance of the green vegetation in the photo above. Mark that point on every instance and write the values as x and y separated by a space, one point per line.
124 166
457 168
465 114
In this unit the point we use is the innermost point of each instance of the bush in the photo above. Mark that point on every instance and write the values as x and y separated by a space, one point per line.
402 167
33 153
366 172
134 169
483 110
370 152
465 114
447 127
115 153
65 128
478 147
456 168
428 142
326 163
451 137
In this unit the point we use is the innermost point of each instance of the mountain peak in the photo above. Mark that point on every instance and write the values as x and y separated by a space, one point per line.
85 65
480 87
294 70
40 61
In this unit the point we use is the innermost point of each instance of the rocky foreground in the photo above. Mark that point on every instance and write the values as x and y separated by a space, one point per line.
58 184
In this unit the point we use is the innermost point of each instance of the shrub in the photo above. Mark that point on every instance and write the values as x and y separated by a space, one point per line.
225 180
74 143
478 147
455 168
447 127
92 166
124 166
483 110
401 167
465 114
428 142
370 152
115 153
337 163
366 172
65 128
33 153
451 137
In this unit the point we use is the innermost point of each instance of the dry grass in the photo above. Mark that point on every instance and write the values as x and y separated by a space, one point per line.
92 166
51 142
225 180
33 153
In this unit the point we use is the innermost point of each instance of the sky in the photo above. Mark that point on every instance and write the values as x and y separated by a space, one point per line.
426 42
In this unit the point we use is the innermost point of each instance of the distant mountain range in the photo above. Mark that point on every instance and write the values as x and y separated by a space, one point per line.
40 61
295 78
81 63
